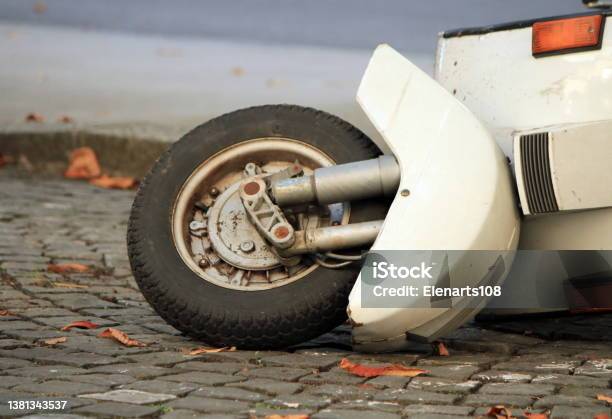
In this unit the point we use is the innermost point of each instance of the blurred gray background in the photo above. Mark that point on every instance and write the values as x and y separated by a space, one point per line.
180 62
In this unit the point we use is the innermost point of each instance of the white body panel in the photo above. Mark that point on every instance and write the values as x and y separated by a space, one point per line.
497 78
460 190
579 159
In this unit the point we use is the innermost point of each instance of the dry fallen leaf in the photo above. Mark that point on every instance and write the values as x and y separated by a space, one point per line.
34 117
82 324
121 337
3 160
54 341
365 371
66 268
25 163
65 119
601 416
109 182
83 164
237 71
204 350
499 412
287 416
69 285
442 351
605 398
4 313
39 7
530 415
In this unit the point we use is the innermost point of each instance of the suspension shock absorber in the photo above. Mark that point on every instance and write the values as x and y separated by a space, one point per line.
340 183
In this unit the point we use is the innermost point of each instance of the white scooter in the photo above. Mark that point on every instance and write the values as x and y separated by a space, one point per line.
251 229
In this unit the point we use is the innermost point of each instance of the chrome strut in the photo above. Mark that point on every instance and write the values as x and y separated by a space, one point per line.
344 182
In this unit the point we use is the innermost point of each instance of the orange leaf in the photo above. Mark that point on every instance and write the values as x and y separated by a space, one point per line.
605 398
64 268
4 313
204 350
238 71
54 341
39 7
499 412
119 336
287 416
83 164
442 351
601 416
82 324
530 415
109 182
395 370
34 117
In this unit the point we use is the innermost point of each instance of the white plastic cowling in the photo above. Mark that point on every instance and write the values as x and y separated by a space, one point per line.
455 194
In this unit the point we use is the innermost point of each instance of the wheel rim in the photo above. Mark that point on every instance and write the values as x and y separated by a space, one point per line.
213 186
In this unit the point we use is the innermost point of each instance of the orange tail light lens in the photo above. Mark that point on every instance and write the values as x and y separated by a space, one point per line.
566 34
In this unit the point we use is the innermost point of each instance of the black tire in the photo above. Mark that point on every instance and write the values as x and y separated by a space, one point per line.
274 318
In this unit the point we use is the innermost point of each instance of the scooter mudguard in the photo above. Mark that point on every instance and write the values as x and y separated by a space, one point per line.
455 195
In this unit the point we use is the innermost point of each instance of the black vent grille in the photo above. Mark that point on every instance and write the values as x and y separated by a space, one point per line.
536 173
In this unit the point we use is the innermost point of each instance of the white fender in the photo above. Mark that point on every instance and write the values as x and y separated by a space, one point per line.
457 195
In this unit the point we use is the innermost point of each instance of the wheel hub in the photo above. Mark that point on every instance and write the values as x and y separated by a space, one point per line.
234 238
234 255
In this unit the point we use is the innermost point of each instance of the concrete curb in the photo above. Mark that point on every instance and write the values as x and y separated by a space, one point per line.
122 149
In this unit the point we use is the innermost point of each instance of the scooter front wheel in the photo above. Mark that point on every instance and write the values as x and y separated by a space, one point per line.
200 262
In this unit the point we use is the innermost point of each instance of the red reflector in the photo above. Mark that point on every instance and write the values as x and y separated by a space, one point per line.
564 34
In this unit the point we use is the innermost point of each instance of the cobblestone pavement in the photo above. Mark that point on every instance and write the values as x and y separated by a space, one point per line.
558 365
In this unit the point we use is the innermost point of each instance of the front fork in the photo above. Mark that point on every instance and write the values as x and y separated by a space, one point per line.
456 195
342 183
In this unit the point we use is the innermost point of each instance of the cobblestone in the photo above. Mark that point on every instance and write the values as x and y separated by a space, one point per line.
368 404
277 373
208 405
270 387
570 412
130 396
408 396
443 385
503 377
230 394
534 390
204 378
301 400
497 399
437 409
560 400
113 409
54 388
52 220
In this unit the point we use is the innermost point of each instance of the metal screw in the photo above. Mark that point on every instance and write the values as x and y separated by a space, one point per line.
250 167
247 246
196 225
281 232
213 191
251 188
